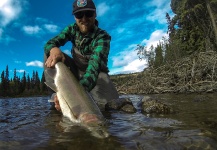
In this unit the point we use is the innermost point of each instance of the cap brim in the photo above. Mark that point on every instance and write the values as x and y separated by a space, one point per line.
84 10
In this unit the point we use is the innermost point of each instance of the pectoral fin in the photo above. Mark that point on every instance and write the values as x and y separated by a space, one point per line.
50 73
51 85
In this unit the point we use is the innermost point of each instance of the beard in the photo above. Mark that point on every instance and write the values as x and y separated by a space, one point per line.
86 26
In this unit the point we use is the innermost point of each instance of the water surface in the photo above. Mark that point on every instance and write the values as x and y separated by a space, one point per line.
28 123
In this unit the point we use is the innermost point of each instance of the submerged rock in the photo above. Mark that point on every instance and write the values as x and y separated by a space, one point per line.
150 105
123 104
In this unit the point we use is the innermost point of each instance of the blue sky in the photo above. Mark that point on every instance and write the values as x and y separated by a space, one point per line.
26 25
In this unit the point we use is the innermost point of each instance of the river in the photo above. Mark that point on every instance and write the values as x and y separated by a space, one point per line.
29 123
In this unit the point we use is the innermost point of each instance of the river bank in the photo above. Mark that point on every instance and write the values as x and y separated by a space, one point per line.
194 74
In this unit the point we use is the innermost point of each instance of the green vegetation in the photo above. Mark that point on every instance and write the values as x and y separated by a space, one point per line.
186 61
25 86
192 30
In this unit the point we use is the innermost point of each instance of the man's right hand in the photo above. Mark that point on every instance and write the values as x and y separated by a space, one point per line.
56 55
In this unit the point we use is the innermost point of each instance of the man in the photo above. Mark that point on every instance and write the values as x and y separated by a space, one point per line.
90 53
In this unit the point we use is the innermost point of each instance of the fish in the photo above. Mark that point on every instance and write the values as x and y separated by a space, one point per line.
75 102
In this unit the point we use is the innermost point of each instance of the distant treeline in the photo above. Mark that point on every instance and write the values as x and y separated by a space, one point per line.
24 86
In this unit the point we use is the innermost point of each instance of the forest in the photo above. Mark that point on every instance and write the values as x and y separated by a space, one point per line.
183 62
24 86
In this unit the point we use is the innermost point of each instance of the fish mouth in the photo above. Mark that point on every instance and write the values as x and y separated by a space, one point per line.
90 119
95 124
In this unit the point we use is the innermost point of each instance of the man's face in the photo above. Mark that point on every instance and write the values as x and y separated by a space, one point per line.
85 20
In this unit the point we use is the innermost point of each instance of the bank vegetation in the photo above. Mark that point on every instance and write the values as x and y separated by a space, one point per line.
185 62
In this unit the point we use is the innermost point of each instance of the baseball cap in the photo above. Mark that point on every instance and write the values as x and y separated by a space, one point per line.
81 5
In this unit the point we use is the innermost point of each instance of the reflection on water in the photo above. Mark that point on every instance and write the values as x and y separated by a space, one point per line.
28 123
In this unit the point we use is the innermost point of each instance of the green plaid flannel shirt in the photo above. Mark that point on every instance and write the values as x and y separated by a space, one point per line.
98 46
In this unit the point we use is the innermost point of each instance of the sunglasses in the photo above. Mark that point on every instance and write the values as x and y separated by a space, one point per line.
81 14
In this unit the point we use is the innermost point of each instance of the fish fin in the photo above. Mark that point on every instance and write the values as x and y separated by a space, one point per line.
50 72
51 85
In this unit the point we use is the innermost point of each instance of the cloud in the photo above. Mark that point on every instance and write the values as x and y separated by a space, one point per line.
5 38
30 30
135 66
102 8
51 28
35 63
127 60
9 11
20 71
125 57
154 39
159 10
40 29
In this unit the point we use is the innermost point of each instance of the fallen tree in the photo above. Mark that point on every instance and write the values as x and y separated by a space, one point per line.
197 73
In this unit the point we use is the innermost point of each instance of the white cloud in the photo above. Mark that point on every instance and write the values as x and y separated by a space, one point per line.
35 63
9 11
51 28
20 71
32 29
125 57
135 66
154 39
161 7
127 61
102 8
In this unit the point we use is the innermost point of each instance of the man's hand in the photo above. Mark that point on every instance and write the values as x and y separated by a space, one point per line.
55 56
56 102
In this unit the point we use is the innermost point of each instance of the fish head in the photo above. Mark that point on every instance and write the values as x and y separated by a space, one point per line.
96 124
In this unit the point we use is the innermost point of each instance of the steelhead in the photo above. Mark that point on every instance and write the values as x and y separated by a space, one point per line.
75 103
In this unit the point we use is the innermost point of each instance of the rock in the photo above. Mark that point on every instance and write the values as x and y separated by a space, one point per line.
150 105
123 104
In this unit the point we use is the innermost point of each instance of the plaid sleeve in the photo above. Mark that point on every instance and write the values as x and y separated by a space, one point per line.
59 40
99 57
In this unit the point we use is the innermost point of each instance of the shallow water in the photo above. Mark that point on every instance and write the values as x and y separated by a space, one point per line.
28 123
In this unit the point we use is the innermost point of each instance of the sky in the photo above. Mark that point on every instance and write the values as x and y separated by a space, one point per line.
26 25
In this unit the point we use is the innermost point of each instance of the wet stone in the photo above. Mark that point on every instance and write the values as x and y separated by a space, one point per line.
123 104
150 105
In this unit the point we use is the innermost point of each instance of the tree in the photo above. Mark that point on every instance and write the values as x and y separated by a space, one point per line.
3 84
43 86
23 82
159 55
194 27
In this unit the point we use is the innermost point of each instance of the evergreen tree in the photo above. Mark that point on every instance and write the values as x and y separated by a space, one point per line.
194 27
7 81
43 86
159 55
37 82
23 82
3 84
151 56
28 84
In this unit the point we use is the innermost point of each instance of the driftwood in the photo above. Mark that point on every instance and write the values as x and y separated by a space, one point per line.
196 73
